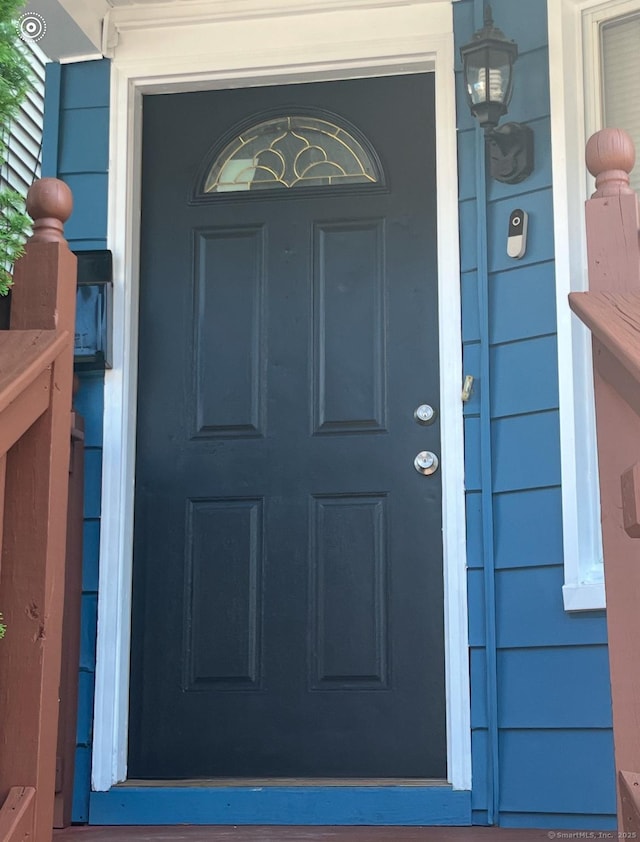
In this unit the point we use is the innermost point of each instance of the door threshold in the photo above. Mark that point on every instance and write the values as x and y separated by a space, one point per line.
288 782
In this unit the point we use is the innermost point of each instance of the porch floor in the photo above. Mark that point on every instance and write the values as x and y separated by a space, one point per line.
187 833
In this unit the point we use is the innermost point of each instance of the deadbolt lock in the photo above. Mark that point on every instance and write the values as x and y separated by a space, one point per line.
425 414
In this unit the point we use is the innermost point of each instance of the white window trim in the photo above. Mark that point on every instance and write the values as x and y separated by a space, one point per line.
592 20
574 66
172 53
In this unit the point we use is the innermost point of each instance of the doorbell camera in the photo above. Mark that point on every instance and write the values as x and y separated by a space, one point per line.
517 235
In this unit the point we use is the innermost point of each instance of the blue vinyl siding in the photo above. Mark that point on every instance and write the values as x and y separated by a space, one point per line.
524 378
530 612
76 149
551 680
557 771
558 687
522 302
472 450
477 608
519 540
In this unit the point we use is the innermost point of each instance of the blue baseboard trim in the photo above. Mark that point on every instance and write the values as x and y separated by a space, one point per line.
281 805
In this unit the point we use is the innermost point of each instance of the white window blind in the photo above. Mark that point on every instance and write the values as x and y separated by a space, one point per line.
621 74
25 140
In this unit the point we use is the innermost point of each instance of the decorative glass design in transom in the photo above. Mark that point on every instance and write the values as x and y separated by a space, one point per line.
291 152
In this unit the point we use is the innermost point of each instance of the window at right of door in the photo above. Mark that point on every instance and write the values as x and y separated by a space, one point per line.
620 57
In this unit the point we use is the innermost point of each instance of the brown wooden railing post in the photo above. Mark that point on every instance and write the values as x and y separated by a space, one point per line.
612 214
33 550
611 309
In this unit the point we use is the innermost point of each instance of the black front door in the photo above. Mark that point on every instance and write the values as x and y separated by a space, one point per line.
288 595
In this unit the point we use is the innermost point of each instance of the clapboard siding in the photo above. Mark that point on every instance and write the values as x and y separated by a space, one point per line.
524 376
91 543
469 286
526 451
522 302
89 402
478 669
480 791
92 156
552 719
75 149
477 607
567 771
474 529
468 222
23 155
85 85
83 150
473 479
89 191
559 687
530 611
519 540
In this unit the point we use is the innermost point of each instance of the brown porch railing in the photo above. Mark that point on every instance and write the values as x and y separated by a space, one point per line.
36 370
611 309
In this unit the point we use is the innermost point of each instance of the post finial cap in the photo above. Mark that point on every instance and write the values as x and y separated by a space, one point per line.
610 156
49 204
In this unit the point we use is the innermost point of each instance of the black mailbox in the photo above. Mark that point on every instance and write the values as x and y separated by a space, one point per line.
92 347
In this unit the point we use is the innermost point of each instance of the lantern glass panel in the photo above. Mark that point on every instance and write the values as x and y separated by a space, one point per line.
501 75
488 75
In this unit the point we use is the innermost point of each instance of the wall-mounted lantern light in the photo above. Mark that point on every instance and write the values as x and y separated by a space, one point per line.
488 74
92 349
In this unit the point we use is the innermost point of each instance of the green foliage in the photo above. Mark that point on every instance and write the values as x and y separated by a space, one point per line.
14 228
15 79
3 628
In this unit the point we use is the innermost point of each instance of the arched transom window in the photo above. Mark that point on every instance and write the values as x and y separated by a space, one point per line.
291 151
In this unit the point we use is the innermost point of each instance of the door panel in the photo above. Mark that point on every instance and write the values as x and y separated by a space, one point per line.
348 602
223 610
288 597
349 377
229 296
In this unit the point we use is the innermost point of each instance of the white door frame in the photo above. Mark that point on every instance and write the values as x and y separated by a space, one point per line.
220 44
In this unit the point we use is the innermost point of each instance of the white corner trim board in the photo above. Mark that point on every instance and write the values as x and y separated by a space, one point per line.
576 112
343 40
575 86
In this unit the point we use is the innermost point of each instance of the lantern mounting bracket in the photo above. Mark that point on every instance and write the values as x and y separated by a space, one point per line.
510 151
